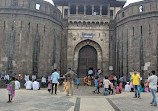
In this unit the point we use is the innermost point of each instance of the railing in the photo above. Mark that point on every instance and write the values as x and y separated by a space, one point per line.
88 17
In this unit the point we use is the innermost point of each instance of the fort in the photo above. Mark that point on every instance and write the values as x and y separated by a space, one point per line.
36 37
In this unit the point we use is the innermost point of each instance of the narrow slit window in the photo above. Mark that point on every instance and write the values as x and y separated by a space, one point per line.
104 10
88 10
111 13
141 30
123 14
81 9
73 9
133 31
65 11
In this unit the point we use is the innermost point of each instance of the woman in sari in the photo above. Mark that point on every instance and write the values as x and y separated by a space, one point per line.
11 90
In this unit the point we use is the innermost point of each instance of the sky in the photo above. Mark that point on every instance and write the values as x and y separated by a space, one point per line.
131 1
49 1
127 3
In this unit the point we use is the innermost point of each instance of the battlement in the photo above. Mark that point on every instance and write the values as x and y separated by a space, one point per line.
38 6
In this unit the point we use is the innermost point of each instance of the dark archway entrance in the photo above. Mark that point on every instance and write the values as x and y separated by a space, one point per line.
87 59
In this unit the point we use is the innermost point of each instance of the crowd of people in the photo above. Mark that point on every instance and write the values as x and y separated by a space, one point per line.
110 85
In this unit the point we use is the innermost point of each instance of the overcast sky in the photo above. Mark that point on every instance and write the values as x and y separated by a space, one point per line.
127 3
131 1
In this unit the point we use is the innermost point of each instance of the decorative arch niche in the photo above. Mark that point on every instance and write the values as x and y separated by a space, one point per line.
85 43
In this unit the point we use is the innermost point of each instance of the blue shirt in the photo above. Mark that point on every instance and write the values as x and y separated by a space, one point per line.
55 77
78 81
96 83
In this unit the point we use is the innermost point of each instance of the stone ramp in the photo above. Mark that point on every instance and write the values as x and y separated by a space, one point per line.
95 104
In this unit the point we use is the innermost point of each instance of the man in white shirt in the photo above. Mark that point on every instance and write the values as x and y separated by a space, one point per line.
17 85
36 85
6 78
152 80
127 87
26 77
33 77
43 82
106 85
28 85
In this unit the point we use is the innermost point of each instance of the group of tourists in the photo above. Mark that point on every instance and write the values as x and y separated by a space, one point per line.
114 85
111 85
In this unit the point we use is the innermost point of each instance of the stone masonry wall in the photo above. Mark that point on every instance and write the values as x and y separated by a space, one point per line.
30 39
137 38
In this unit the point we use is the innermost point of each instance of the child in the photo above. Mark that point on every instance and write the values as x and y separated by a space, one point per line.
146 84
117 89
11 90
142 87
132 88
49 86
111 88
106 85
127 87
120 85
96 85
64 85
78 82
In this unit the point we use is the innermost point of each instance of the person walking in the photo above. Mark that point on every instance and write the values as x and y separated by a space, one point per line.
55 77
136 82
70 76
152 80
6 78
0 76
43 81
106 83
78 82
96 85
17 85
11 90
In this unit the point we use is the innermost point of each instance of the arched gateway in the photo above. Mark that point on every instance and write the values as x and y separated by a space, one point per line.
88 54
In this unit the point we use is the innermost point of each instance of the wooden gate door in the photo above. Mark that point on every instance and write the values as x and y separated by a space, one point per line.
87 59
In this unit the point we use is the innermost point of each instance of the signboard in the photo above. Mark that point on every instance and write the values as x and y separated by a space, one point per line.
84 35
110 68
5 59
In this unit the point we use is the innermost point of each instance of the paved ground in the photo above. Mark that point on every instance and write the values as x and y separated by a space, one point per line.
83 100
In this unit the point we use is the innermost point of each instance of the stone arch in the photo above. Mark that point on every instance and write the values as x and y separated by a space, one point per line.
90 43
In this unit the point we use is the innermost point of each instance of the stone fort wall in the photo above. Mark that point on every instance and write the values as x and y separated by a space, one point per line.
30 37
136 38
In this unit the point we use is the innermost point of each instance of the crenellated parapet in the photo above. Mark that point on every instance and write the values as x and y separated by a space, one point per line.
138 9
33 6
